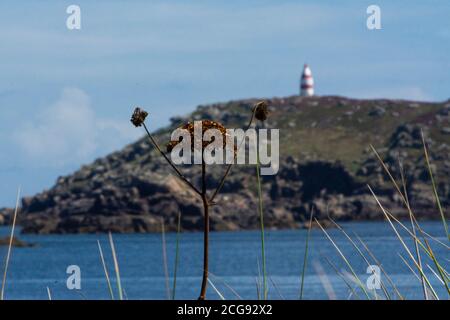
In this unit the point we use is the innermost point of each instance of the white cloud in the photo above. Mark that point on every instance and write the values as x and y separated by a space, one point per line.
69 131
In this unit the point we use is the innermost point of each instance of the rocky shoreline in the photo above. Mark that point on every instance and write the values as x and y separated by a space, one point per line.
326 163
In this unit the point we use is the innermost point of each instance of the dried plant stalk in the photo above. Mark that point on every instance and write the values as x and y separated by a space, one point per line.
260 111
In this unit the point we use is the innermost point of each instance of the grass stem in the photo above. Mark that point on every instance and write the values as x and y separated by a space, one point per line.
261 218
358 281
108 281
11 237
164 256
433 184
116 266
305 257
177 253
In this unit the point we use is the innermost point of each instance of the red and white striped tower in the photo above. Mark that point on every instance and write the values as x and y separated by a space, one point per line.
307 82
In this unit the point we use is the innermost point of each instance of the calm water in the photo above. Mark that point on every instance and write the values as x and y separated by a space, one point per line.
234 261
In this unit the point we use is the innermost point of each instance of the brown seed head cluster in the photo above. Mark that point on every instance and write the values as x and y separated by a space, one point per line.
261 110
138 117
206 125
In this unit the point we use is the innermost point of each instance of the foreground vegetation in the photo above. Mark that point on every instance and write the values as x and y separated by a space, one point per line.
418 258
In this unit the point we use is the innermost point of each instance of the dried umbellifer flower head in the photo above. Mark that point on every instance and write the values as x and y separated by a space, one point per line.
206 125
261 110
138 117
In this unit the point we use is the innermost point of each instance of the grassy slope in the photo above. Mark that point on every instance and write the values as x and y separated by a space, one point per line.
325 128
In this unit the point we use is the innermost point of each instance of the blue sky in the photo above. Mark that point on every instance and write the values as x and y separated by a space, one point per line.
66 95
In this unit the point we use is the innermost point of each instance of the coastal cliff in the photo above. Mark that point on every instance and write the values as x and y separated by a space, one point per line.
325 162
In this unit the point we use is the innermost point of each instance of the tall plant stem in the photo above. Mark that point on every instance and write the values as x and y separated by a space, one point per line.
261 218
205 234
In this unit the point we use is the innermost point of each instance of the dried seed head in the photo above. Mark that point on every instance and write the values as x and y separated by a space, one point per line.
138 117
206 125
261 110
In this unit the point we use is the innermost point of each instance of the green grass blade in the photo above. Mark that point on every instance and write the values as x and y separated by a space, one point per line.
438 267
108 281
413 229
305 257
406 202
353 292
409 267
164 256
426 248
258 282
277 289
360 284
116 266
374 258
11 237
216 290
435 274
433 183
226 285
261 218
403 243
361 254
177 253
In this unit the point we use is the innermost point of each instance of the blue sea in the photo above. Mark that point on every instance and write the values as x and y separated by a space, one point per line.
235 264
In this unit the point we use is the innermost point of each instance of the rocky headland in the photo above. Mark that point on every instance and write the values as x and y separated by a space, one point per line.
326 163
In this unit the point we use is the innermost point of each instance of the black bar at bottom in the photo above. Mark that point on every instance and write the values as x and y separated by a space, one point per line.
241 309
